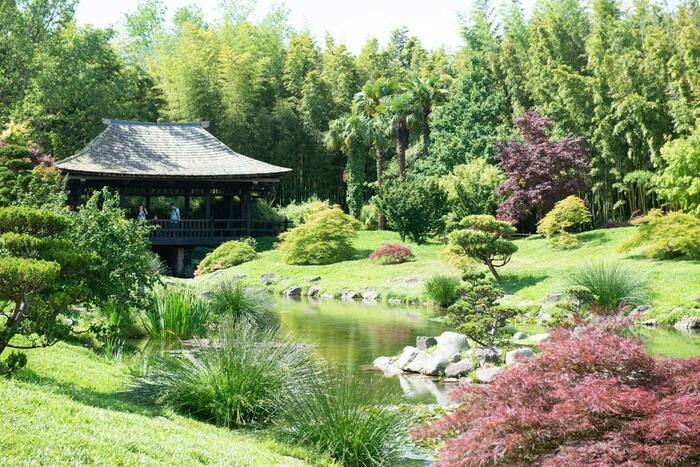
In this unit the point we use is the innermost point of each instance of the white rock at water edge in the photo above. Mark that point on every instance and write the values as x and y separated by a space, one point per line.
461 368
486 375
293 291
517 355
450 344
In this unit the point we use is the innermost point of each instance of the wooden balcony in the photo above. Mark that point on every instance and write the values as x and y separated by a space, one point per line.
192 232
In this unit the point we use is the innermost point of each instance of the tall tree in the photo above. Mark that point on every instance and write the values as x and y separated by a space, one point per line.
400 110
427 93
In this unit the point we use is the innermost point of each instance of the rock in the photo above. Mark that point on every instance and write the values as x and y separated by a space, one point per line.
687 324
386 364
650 322
553 297
395 301
486 355
369 294
486 375
269 278
328 296
293 291
519 335
315 278
423 342
640 310
419 363
314 291
517 355
407 355
461 368
540 337
435 366
451 343
349 294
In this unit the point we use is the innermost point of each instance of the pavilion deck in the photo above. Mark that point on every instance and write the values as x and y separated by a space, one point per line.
210 232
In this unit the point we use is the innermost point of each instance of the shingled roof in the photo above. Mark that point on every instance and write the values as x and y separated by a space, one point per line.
163 150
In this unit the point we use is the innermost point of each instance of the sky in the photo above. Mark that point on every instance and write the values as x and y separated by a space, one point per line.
435 22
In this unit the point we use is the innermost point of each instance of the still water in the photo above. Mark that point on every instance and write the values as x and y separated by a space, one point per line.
351 335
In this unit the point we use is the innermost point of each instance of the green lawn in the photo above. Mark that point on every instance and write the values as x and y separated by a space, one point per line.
68 407
535 270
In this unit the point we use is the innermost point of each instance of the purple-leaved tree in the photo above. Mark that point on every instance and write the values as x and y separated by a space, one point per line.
539 171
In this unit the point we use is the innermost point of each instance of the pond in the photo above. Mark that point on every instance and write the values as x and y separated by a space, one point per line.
351 335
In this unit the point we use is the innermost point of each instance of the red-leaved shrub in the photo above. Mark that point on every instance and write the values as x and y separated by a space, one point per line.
391 253
590 397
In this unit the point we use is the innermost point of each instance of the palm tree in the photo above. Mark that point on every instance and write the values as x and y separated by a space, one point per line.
350 135
400 109
427 94
367 102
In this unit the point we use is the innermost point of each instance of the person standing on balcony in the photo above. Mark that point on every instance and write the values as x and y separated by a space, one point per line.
143 213
174 214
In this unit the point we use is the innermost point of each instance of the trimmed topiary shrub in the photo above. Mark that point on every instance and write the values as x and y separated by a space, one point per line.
590 397
674 235
326 237
568 214
391 253
227 255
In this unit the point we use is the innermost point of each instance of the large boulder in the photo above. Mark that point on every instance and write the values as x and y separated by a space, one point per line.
461 368
519 336
450 344
269 278
487 355
369 294
486 375
346 294
518 355
419 363
408 354
387 365
314 291
688 324
293 291
424 342
435 366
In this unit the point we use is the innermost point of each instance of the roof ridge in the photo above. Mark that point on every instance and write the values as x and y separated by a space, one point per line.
112 121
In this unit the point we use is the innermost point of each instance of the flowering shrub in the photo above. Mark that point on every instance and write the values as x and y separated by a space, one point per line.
590 397
391 253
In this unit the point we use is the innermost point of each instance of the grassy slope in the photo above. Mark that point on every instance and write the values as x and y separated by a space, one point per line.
536 269
68 408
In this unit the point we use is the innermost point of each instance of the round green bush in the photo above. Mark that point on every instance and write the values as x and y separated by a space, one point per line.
226 255
326 237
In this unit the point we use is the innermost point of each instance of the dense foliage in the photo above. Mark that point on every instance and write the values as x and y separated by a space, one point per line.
568 214
391 253
539 171
227 255
414 207
471 189
477 313
588 397
481 238
40 276
674 235
679 182
326 237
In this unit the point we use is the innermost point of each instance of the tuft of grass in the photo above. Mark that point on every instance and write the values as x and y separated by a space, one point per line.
610 285
442 290
345 421
176 313
247 381
234 301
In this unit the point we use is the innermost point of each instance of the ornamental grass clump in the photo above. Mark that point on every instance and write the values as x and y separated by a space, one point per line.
346 421
609 286
589 397
391 253
443 291
234 301
326 237
227 255
175 314
252 375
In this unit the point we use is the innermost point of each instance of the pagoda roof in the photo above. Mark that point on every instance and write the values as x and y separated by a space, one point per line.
127 149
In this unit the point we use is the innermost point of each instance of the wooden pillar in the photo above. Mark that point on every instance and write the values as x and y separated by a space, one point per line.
207 204
248 213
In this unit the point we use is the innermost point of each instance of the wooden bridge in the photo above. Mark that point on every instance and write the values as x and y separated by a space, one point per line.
191 232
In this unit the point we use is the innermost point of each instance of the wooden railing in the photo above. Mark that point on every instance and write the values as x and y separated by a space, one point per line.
209 231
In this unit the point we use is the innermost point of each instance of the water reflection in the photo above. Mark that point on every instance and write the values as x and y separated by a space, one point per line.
351 335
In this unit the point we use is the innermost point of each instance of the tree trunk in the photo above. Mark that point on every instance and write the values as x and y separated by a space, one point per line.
426 130
381 219
493 271
401 145
12 322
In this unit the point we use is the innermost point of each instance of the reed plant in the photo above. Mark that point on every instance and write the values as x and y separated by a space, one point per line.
234 301
443 291
609 286
176 314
